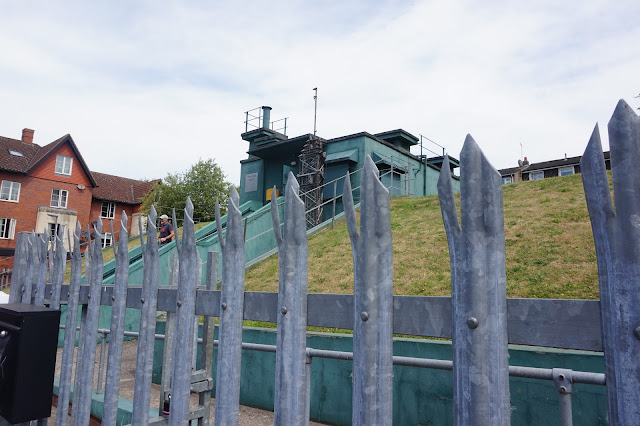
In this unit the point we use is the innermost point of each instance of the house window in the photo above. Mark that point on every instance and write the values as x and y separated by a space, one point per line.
566 171
10 191
55 229
59 198
506 179
108 209
7 228
536 175
63 165
106 239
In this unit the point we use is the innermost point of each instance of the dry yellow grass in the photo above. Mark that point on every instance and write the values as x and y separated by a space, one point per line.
549 247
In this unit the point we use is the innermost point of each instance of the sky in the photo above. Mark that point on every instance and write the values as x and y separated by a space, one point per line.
147 88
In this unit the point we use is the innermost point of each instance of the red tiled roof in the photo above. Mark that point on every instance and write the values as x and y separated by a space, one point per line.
34 154
106 187
15 163
120 189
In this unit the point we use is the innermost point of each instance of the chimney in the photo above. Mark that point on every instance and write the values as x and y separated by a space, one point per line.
27 136
266 116
525 162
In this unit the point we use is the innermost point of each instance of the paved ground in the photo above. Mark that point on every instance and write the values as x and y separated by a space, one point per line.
248 416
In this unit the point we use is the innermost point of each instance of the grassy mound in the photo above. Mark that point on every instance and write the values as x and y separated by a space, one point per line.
549 247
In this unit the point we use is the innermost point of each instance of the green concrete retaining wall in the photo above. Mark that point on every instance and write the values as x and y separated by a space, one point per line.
125 406
421 396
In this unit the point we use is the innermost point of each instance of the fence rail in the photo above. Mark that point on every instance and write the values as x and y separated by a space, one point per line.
478 316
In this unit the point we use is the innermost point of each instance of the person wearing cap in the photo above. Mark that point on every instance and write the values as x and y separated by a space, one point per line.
166 231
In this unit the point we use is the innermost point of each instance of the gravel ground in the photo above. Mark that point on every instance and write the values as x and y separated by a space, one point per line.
249 416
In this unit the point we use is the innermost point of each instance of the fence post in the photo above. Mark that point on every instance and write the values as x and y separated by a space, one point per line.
208 328
564 385
87 351
478 290
169 332
373 300
83 321
617 237
185 311
20 266
335 194
66 365
27 287
41 280
291 401
56 276
146 339
231 314
118 313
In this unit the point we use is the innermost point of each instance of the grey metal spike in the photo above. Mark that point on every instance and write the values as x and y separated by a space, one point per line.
57 276
175 229
185 312
21 257
113 238
231 315
87 351
144 360
87 256
291 402
118 313
51 257
350 212
31 269
478 290
219 226
66 365
373 301
142 249
275 218
41 279
617 237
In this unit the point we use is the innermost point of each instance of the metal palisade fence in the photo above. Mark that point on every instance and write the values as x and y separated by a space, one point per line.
478 317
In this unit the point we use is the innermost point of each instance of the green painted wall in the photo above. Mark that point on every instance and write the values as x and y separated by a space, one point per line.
419 180
246 169
421 396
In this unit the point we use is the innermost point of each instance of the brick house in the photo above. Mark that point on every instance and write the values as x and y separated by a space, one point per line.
546 169
51 187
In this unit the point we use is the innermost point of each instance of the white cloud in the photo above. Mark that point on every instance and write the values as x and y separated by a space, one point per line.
147 88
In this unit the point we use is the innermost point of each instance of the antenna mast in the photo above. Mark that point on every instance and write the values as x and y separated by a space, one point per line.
315 110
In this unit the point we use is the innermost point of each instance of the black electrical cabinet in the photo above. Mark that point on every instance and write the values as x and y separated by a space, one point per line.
28 342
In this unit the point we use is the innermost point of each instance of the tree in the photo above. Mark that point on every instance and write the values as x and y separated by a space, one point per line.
203 182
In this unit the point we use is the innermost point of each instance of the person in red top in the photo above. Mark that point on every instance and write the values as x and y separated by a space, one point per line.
166 231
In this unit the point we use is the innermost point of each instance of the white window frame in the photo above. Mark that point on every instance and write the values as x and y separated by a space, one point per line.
60 196
53 230
106 236
111 209
7 228
62 161
536 175
506 180
7 189
570 170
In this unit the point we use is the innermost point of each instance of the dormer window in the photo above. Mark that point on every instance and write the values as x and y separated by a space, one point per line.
63 165
15 153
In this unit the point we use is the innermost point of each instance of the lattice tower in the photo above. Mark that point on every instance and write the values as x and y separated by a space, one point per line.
311 178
